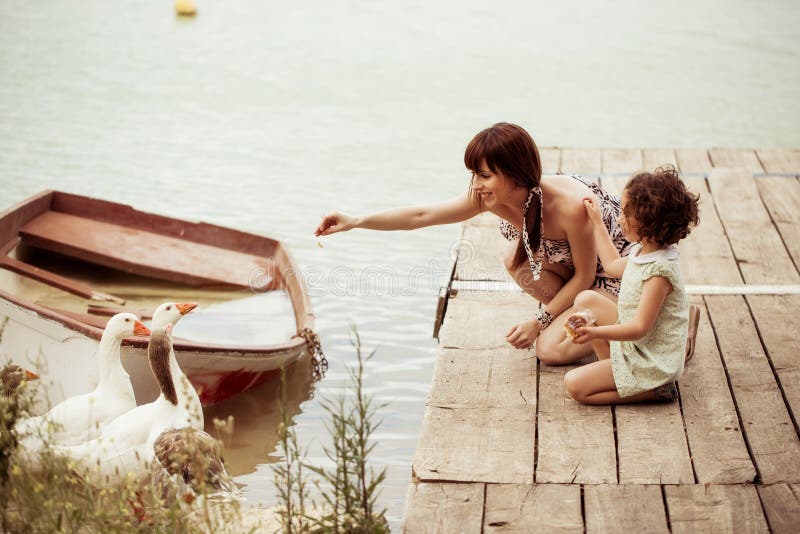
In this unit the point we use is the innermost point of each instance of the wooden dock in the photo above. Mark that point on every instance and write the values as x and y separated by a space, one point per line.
503 448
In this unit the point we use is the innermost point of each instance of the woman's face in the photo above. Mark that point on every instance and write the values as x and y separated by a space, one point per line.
491 187
628 224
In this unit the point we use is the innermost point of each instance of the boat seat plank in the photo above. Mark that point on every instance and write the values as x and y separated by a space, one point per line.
141 252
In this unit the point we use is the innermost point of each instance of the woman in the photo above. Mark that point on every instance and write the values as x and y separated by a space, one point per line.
552 254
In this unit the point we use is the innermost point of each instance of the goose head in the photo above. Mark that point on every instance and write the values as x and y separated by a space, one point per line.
158 353
124 325
171 312
13 376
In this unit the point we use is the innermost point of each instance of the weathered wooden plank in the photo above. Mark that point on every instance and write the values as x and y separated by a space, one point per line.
581 161
432 508
778 321
476 445
718 450
706 255
740 158
551 159
491 378
480 251
538 507
576 441
781 196
693 161
756 244
769 430
782 505
624 508
657 157
715 509
780 160
480 319
622 161
651 445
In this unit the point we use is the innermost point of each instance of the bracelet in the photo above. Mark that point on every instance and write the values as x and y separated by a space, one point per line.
544 317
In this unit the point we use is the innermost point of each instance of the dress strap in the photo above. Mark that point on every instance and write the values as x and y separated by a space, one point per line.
535 262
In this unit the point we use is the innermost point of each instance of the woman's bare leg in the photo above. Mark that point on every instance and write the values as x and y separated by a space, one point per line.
593 383
543 289
553 347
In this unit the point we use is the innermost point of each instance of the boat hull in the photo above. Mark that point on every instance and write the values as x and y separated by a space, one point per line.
66 360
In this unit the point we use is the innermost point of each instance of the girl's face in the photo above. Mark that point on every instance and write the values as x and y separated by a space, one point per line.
630 228
491 187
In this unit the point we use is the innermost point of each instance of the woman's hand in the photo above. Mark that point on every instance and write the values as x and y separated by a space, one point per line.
522 335
333 223
585 334
592 206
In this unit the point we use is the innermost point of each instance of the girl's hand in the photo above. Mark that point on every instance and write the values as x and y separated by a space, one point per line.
585 334
522 335
592 206
333 223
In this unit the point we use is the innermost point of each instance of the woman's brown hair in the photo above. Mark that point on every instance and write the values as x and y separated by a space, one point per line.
661 205
510 150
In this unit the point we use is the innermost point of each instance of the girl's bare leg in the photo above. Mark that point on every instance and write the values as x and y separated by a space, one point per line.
593 383
553 347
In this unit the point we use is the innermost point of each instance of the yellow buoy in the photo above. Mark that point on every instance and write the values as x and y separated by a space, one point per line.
185 8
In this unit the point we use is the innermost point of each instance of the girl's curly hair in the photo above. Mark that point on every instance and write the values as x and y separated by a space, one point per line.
661 205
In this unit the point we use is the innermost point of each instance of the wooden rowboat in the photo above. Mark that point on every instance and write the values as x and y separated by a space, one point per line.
60 253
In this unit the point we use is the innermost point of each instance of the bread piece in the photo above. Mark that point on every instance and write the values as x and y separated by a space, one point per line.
577 320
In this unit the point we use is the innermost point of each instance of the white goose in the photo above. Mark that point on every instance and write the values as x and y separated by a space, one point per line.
126 445
78 418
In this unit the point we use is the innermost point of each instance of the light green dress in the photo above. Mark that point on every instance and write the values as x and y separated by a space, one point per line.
658 357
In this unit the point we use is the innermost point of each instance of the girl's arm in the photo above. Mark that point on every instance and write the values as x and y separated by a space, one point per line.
654 292
613 264
454 210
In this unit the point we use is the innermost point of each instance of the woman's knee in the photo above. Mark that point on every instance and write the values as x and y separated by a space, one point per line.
573 385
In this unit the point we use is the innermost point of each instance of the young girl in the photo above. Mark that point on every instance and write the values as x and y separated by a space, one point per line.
641 342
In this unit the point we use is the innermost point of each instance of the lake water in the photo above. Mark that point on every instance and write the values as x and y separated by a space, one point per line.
263 115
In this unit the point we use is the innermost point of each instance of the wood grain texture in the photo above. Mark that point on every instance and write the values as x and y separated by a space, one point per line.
740 158
480 249
480 319
539 507
581 160
780 160
651 445
718 449
773 441
551 159
476 445
756 244
723 509
656 157
693 161
489 378
622 161
433 508
781 503
576 441
624 508
781 197
778 321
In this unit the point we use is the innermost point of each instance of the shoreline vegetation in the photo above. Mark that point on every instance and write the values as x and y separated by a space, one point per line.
45 492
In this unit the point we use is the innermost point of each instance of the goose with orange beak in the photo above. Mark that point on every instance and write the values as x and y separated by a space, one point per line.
127 444
78 419
12 377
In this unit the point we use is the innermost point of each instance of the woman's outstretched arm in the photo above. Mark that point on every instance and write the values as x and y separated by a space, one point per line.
450 211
